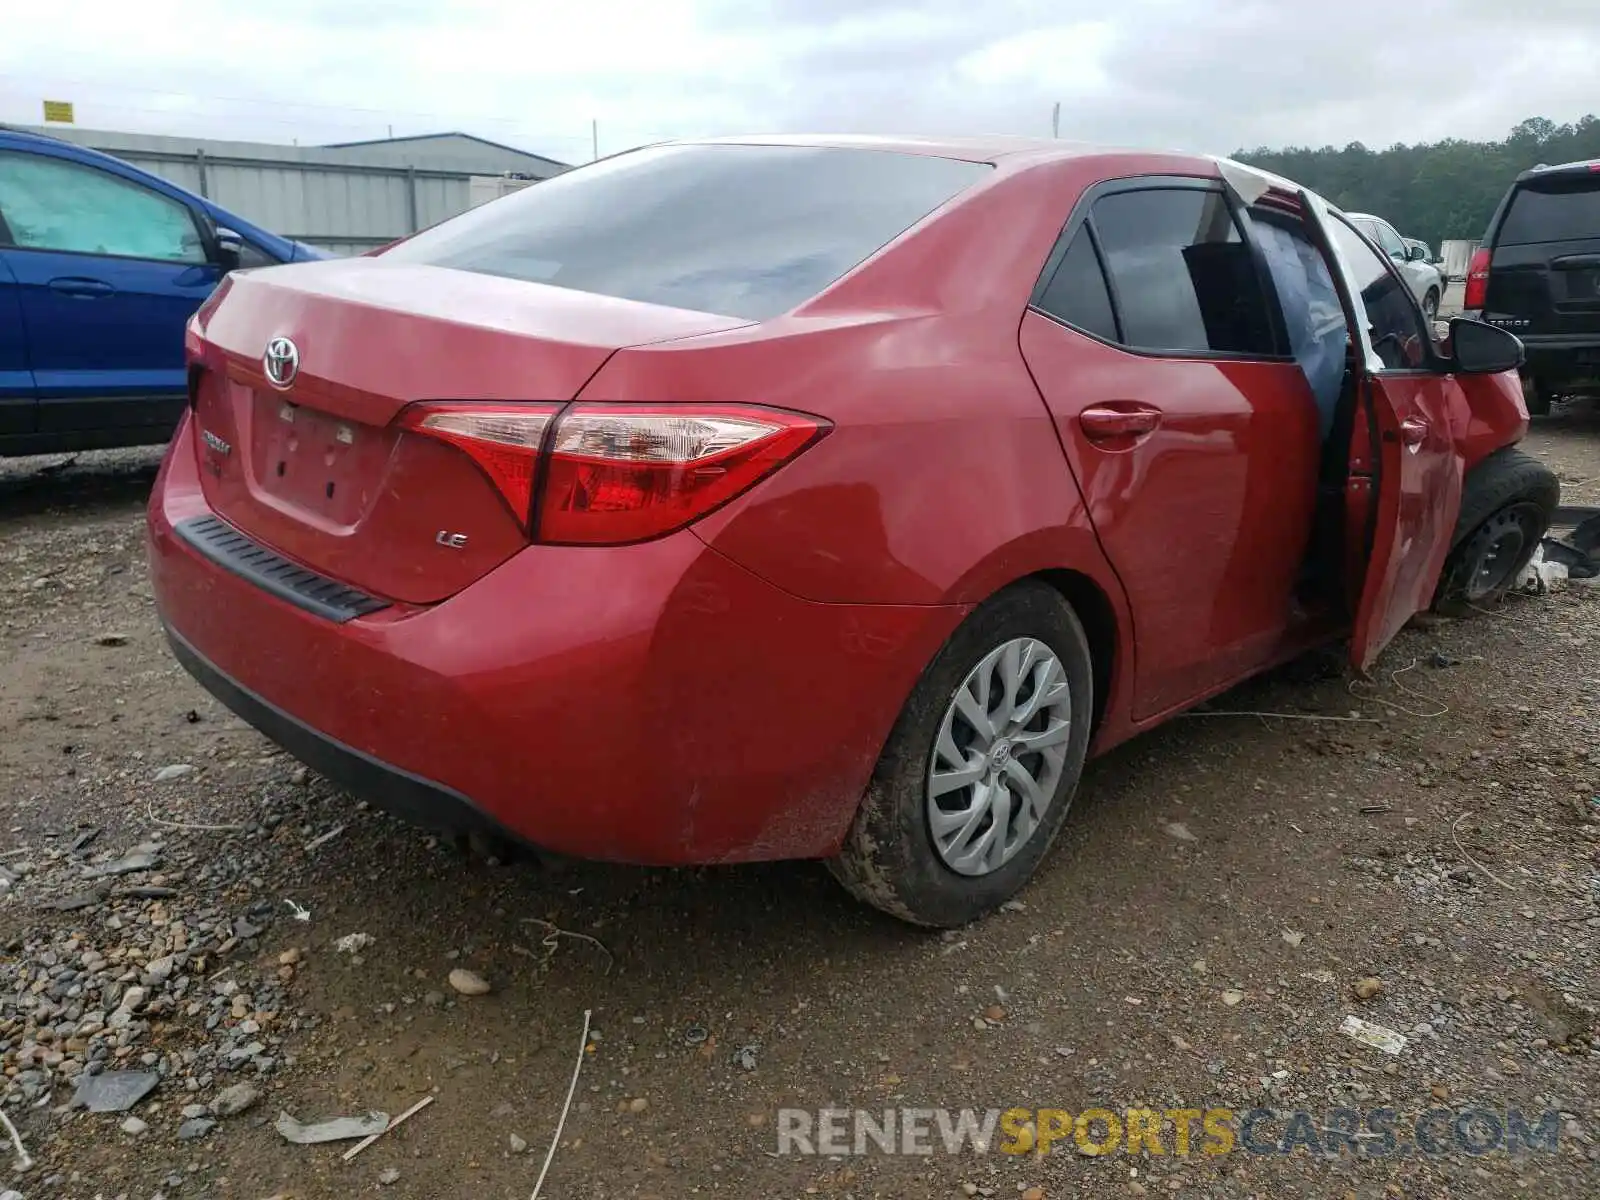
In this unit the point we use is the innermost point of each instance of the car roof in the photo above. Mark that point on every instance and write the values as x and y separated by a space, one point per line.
78 149
1355 216
1249 181
1585 166
31 133
985 148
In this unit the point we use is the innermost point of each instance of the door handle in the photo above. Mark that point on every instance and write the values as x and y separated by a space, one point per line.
87 289
1413 430
1103 423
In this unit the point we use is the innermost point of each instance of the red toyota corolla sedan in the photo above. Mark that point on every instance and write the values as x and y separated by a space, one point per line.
819 498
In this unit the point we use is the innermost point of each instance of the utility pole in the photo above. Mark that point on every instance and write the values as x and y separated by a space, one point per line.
1055 121
594 139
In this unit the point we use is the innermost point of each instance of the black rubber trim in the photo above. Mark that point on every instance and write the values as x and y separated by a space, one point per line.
224 545
410 797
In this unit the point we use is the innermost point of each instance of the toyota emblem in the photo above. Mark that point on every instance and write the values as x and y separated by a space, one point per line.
281 362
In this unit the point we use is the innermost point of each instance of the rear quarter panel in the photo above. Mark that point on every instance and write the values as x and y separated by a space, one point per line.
942 479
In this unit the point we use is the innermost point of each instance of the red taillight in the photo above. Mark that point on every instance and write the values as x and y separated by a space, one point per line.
617 473
625 473
1477 279
503 439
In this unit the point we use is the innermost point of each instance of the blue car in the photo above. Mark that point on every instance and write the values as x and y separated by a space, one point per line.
101 266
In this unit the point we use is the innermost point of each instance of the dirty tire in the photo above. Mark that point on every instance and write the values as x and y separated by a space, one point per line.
888 858
1430 305
1509 501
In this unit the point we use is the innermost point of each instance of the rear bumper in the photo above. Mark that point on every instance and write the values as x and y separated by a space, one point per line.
404 794
1564 362
651 704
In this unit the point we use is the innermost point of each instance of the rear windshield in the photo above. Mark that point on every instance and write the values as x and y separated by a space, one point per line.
744 231
1556 211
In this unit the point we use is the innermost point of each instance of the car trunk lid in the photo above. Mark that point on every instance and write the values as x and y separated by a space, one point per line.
316 466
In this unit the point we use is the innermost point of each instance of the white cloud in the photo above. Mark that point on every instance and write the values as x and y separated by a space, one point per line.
1066 58
1202 74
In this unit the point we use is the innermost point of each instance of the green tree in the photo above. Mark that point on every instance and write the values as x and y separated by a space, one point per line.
1435 191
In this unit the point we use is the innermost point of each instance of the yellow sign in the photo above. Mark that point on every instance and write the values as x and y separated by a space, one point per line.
58 110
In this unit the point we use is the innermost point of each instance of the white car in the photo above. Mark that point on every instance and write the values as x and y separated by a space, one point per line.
1427 283
1428 256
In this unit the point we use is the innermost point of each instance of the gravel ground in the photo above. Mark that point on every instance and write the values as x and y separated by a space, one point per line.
179 900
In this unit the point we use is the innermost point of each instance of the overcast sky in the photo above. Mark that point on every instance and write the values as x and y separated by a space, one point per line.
1207 75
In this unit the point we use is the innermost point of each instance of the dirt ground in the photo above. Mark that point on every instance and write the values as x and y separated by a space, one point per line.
1193 941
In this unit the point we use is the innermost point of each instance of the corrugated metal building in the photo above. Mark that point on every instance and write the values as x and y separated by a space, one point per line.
345 198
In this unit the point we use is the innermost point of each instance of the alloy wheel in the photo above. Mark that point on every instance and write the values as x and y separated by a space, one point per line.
997 760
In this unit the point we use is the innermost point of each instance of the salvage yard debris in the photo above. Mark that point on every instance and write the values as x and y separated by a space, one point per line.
24 1160
469 983
410 1112
323 839
555 1139
553 934
1542 574
140 858
114 1091
1376 1036
339 1129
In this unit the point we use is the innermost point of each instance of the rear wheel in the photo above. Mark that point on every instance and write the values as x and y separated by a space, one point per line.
1505 510
979 771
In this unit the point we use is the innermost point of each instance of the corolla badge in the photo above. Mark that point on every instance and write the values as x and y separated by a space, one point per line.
281 362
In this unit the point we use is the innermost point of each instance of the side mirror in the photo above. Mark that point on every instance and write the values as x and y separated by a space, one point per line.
229 247
1477 348
1416 254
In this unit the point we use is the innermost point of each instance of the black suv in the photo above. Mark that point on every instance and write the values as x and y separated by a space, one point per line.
1537 273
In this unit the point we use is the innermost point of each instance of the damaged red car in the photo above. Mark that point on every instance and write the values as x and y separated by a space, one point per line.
819 498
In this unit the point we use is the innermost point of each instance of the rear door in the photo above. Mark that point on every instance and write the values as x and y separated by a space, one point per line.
1544 277
1405 467
1191 431
108 271
17 400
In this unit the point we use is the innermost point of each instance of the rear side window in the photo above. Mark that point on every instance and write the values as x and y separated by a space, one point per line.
1555 211
1077 291
1183 278
1388 241
745 231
